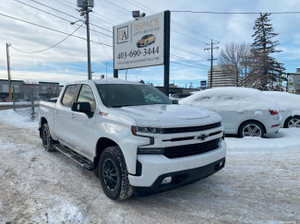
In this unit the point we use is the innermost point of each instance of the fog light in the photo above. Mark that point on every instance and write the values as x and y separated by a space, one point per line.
166 180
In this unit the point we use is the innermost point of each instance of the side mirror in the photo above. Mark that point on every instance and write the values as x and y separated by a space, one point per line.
83 107
174 101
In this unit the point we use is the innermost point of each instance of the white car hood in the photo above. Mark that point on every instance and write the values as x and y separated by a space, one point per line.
169 115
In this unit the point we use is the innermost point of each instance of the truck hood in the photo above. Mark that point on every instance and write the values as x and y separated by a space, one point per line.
172 115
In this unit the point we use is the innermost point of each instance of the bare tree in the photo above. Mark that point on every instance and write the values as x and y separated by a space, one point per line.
31 94
234 58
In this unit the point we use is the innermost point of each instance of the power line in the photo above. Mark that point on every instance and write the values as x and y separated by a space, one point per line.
146 8
52 29
143 7
188 36
178 57
37 2
230 13
69 21
93 28
46 49
118 6
174 22
65 3
41 10
107 20
186 51
184 27
189 62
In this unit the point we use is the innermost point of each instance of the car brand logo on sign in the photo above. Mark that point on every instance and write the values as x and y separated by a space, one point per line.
139 43
122 34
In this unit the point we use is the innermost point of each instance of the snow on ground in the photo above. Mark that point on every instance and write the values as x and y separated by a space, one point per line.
259 184
21 118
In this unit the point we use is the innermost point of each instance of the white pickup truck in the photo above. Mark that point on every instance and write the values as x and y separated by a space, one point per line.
132 136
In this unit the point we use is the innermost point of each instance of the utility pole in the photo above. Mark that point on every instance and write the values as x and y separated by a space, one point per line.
211 48
86 6
8 72
87 22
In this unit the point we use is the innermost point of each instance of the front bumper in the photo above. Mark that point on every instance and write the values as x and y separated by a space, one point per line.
181 178
155 167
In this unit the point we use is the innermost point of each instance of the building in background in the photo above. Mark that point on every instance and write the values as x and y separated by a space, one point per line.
221 77
293 85
16 86
21 90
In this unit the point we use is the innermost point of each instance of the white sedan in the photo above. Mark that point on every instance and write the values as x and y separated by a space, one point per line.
289 107
244 111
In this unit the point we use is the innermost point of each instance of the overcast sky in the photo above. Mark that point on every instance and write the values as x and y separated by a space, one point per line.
189 34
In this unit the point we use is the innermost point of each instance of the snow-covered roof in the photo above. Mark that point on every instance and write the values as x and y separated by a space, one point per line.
230 99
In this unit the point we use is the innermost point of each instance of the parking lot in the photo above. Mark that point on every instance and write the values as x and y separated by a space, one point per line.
259 184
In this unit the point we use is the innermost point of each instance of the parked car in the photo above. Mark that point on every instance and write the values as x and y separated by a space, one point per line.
146 40
289 107
245 112
179 96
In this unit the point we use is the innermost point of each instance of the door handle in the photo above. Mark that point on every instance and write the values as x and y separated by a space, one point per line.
72 116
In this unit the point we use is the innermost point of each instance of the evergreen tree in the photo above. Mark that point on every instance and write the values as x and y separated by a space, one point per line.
267 71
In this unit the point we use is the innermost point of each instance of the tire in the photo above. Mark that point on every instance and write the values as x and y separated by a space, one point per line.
251 129
46 138
113 174
292 122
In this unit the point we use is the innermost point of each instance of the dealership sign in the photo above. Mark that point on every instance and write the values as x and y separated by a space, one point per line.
139 43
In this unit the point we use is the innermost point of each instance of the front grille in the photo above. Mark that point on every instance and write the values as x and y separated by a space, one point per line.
190 150
190 129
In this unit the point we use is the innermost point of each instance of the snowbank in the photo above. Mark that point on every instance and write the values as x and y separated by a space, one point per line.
20 118
286 140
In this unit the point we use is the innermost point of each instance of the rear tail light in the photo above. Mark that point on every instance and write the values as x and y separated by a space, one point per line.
273 112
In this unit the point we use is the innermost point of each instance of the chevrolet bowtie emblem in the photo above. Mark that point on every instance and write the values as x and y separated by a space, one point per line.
202 137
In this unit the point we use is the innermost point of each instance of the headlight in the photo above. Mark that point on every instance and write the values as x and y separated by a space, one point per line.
137 129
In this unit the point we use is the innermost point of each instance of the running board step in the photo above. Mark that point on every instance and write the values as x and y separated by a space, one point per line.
85 163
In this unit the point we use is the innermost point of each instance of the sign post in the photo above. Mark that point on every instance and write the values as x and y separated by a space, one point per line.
167 52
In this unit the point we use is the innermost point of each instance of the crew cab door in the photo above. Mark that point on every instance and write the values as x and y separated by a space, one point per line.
81 127
63 116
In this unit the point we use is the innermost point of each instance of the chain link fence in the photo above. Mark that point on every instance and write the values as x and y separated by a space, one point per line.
28 102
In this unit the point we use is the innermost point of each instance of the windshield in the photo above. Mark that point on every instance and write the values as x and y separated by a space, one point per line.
121 95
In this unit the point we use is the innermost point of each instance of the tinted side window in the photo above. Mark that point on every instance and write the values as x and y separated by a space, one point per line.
86 95
69 95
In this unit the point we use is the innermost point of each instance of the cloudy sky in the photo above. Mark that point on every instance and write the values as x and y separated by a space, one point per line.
33 26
